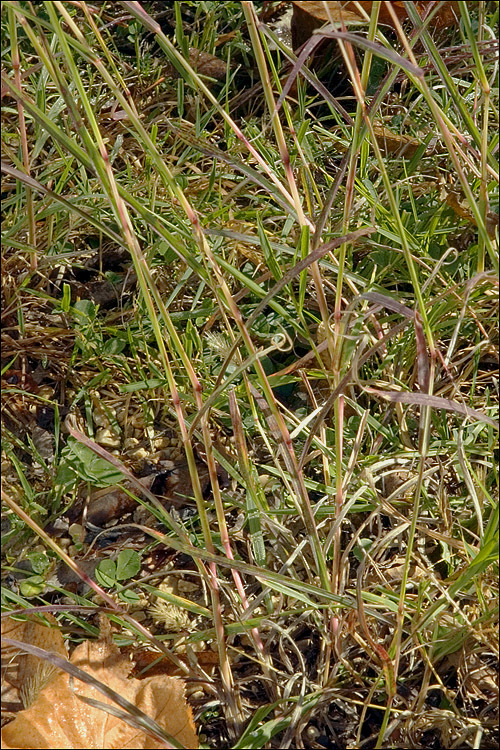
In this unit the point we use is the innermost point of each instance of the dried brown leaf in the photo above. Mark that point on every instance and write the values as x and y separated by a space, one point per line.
393 143
308 16
207 64
22 674
59 718
436 402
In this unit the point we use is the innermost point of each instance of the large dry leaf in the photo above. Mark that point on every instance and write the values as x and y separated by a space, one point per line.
60 719
23 675
310 15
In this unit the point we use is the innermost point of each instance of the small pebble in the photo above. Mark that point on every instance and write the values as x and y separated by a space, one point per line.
105 437
312 732
139 454
196 695
77 533
100 419
130 442
46 391
161 442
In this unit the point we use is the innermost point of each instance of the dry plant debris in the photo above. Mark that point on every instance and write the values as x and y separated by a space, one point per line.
326 576
56 716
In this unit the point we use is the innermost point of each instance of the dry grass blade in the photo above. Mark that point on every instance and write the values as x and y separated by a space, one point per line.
249 389
424 399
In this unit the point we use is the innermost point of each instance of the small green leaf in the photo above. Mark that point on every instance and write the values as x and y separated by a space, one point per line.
39 562
113 346
106 573
32 586
167 253
84 308
129 597
90 467
127 565
268 251
259 736
360 550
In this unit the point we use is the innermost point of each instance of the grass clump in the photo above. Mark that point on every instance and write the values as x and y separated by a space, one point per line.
279 302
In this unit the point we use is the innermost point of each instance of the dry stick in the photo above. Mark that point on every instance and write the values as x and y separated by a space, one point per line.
325 211
436 402
329 340
387 664
359 82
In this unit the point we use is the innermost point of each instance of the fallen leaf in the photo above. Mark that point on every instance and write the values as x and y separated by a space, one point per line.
152 663
308 16
24 675
392 143
207 64
204 63
59 718
459 204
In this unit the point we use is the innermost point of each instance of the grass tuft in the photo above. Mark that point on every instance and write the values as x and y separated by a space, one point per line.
250 341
